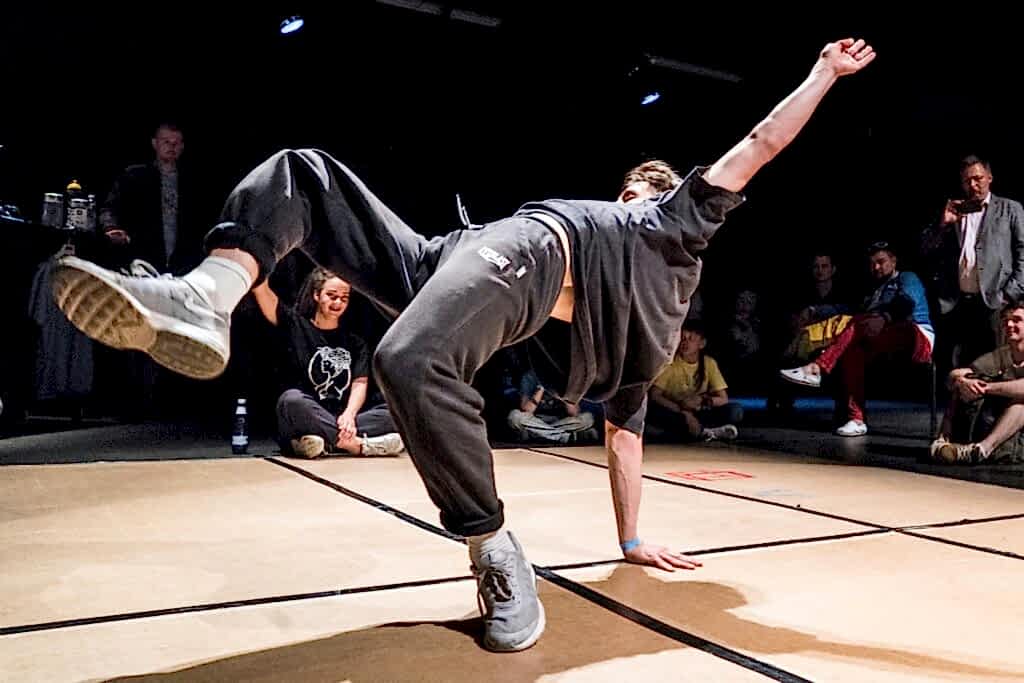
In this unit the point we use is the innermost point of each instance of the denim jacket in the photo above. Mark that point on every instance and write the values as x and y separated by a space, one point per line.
901 297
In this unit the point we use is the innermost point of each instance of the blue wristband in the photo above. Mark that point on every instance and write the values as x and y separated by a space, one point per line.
630 544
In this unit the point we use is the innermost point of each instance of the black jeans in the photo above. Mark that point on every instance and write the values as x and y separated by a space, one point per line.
457 299
299 414
673 423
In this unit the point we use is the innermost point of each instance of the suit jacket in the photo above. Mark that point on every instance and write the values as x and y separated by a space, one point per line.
134 205
1000 256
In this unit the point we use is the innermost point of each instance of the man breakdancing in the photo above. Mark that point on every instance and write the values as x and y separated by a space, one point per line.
599 288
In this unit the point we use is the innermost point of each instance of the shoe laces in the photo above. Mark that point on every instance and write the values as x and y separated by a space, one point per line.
141 268
969 453
497 580
182 290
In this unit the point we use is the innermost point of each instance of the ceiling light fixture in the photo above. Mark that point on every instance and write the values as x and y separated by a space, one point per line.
292 24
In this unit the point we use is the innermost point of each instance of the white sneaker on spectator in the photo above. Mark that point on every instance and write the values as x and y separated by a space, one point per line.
723 433
801 376
936 447
961 453
853 428
308 446
385 444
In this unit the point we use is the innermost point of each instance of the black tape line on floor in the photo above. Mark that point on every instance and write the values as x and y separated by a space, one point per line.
669 631
637 617
207 607
727 494
211 606
961 544
907 530
736 548
383 507
967 521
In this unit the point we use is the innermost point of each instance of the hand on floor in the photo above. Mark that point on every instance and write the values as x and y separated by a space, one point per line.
660 557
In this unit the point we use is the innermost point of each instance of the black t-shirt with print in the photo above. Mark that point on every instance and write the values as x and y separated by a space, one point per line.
322 363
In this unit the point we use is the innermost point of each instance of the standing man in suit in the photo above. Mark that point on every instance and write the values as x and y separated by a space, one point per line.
152 213
976 254
148 213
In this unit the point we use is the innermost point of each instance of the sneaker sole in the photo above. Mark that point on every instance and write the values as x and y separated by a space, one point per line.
108 313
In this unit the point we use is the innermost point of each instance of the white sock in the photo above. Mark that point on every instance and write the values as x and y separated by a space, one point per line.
487 543
224 281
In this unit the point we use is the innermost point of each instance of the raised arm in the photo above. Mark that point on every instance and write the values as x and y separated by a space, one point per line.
734 170
267 301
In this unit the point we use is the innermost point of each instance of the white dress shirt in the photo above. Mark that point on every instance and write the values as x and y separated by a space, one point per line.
969 225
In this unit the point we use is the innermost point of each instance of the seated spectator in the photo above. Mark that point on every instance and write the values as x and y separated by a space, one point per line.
818 298
742 342
688 400
542 416
894 322
326 375
822 297
985 416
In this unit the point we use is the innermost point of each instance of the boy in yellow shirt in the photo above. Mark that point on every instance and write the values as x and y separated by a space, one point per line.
688 399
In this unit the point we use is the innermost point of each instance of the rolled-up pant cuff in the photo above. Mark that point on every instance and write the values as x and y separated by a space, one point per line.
230 235
476 528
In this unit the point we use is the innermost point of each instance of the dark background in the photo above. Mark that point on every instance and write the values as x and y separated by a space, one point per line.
544 105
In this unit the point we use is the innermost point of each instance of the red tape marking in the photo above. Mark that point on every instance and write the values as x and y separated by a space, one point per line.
710 475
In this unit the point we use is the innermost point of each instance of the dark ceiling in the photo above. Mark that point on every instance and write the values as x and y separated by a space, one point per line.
546 103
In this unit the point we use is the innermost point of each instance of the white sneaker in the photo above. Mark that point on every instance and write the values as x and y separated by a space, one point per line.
961 453
308 446
936 447
800 376
853 428
385 444
723 433
165 316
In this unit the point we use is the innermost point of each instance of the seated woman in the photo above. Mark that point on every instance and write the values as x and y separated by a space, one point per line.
688 399
326 369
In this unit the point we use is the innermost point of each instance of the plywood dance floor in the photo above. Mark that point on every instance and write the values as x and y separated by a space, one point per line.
276 569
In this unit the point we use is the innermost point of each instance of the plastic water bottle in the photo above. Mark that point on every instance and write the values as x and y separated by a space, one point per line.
240 434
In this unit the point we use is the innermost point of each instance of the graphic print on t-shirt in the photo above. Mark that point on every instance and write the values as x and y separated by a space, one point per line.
325 367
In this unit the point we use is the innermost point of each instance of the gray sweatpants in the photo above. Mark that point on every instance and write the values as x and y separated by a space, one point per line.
457 299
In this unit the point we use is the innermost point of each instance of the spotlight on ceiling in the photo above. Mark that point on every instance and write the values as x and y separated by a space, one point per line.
651 98
292 24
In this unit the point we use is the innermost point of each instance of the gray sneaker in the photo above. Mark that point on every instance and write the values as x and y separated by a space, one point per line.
163 316
385 444
507 597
